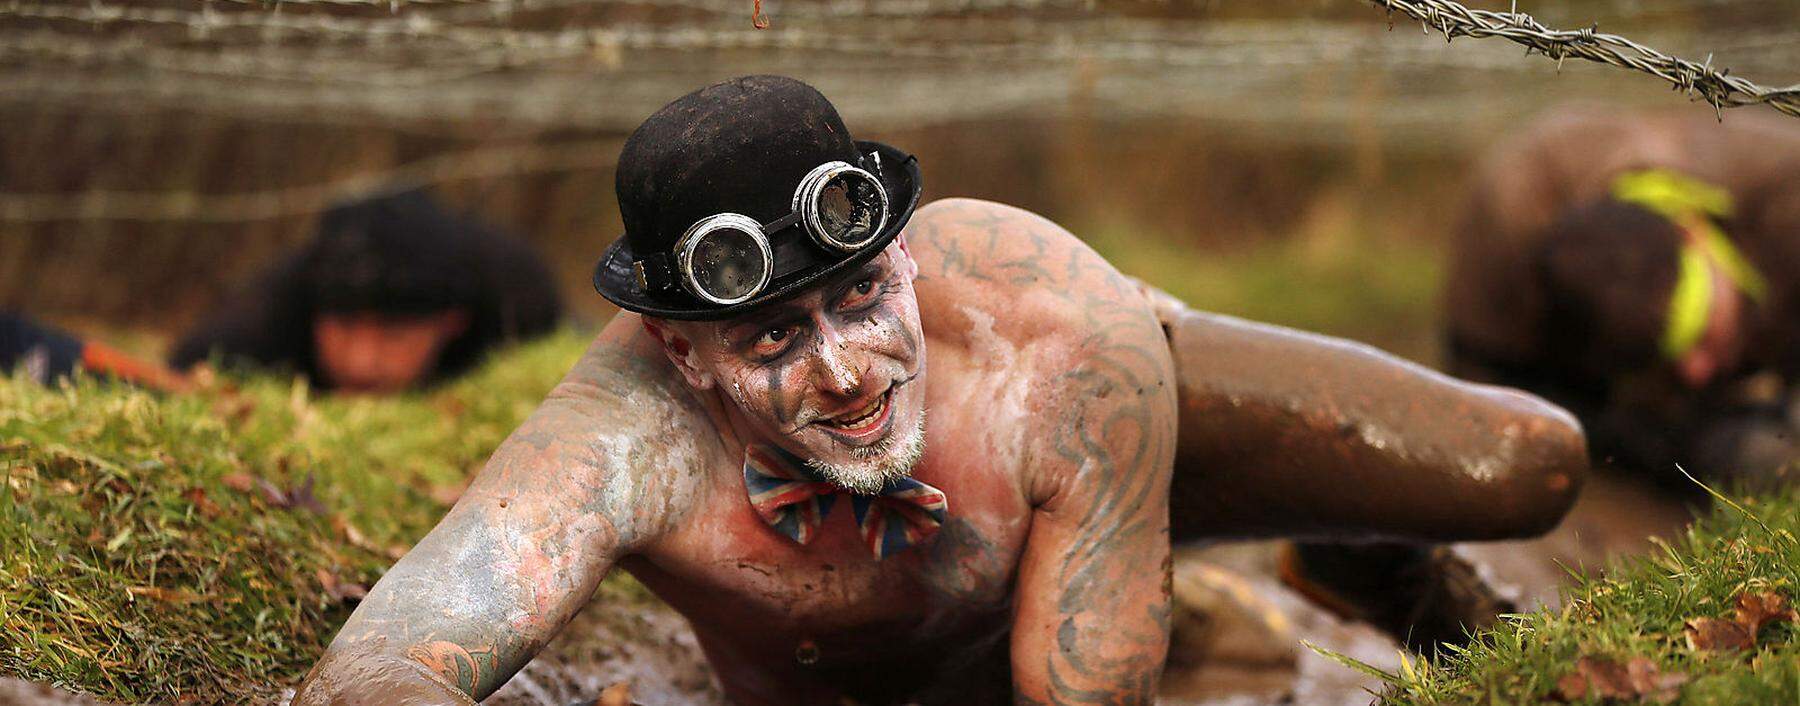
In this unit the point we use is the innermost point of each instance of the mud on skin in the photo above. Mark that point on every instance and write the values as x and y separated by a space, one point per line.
1053 398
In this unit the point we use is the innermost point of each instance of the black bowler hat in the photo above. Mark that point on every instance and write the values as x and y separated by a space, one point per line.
741 146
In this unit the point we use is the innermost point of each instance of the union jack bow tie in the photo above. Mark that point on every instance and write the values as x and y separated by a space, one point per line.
795 499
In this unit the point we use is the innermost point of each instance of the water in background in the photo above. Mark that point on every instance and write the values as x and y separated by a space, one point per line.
1296 161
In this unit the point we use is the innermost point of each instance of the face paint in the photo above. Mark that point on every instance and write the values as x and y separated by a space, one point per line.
834 376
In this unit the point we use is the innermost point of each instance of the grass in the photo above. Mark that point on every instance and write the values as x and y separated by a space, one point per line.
143 560
1640 608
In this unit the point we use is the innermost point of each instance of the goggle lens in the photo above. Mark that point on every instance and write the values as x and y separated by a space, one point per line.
850 208
729 264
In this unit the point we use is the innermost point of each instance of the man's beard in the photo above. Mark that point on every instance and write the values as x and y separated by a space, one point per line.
877 464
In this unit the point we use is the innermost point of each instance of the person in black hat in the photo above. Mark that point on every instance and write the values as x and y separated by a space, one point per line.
393 293
750 440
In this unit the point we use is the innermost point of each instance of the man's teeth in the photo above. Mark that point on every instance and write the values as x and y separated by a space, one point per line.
858 417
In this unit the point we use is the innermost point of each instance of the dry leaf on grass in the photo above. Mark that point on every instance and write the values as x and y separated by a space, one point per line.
1754 610
616 695
1638 680
339 589
233 408
165 595
1751 612
1717 634
300 496
203 504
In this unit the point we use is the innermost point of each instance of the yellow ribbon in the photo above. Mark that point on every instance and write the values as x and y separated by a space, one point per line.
1692 205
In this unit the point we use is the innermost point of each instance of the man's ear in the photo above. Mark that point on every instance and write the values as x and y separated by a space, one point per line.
680 351
908 266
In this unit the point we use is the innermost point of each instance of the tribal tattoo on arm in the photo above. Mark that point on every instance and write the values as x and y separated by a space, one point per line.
583 482
1091 610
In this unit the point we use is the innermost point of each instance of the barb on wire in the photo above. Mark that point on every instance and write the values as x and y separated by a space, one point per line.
1716 87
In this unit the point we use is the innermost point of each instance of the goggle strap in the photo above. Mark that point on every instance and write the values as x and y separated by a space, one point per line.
782 223
792 253
656 272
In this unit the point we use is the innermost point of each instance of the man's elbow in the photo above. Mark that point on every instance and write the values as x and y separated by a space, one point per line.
362 673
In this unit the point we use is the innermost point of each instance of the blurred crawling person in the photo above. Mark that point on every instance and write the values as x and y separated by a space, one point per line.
47 354
760 440
393 293
1643 271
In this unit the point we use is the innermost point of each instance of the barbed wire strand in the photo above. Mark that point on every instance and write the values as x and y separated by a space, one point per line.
1699 79
1450 18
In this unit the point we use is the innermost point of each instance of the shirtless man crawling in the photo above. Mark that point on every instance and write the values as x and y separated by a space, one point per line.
751 440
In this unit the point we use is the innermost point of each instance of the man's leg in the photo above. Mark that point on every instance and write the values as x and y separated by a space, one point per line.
1290 434
1284 433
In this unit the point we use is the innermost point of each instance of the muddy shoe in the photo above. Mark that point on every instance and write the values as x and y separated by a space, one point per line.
1422 596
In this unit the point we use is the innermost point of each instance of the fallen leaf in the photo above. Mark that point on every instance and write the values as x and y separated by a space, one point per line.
165 595
1638 680
233 408
240 482
1652 684
450 406
204 505
616 695
353 535
1717 634
338 589
1754 610
1750 612
300 496
1572 687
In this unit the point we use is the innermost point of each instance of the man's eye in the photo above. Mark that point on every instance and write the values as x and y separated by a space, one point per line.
771 341
860 294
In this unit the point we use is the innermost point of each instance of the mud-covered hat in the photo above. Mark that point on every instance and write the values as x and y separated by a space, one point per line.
751 158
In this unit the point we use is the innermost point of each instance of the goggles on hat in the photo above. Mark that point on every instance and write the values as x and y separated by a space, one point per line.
729 258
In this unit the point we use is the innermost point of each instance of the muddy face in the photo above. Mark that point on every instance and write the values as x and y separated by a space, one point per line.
377 353
834 376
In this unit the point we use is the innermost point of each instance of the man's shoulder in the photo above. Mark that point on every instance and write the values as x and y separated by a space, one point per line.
623 399
1008 263
983 242
992 274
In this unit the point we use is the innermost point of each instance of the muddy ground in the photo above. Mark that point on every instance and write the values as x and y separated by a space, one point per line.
1238 630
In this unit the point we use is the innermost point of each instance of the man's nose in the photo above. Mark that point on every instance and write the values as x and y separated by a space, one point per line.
834 370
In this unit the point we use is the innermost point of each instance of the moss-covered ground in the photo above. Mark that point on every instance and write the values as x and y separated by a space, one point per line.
206 546
1707 619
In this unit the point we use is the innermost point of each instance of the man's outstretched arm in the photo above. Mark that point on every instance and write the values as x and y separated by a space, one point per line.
578 485
1091 610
